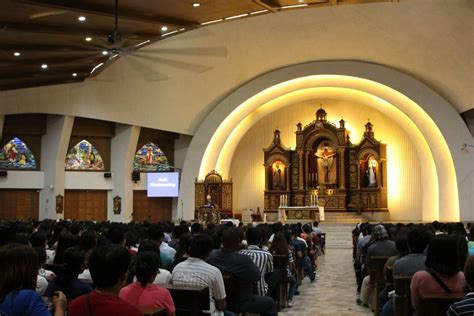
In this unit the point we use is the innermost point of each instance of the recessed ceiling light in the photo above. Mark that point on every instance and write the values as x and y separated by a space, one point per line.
164 28
104 52
74 74
301 1
16 54
88 39
81 18
44 66
195 4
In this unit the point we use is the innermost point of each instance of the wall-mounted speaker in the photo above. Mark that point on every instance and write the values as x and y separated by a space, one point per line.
3 173
135 176
107 174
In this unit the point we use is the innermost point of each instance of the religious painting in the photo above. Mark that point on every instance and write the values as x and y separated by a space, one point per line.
59 204
150 158
371 172
84 156
325 158
117 205
16 155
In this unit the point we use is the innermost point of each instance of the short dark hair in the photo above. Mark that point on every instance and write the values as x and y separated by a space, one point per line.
230 238
107 264
155 232
38 239
201 246
146 265
117 234
442 255
42 256
18 268
418 239
254 236
196 228
74 260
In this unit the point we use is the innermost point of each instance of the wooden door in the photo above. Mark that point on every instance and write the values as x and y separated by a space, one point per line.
19 204
85 205
151 209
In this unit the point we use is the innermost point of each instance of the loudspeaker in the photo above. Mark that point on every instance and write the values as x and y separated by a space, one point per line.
107 175
3 173
135 176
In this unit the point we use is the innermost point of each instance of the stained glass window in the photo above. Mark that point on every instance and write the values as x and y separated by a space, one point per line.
84 156
16 155
150 158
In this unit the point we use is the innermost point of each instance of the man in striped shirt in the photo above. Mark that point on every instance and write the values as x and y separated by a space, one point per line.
196 272
263 260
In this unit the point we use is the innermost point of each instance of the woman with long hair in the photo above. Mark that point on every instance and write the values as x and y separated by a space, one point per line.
18 271
143 294
279 249
442 273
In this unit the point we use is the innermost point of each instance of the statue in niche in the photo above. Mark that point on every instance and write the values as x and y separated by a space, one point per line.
277 176
325 162
371 172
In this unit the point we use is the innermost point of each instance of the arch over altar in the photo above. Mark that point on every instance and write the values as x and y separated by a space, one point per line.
421 111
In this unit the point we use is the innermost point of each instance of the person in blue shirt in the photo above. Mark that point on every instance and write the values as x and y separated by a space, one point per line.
18 271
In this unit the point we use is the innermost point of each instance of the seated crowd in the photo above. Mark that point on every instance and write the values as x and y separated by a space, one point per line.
87 268
432 258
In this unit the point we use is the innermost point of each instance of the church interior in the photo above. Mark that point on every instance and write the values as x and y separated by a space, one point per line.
255 111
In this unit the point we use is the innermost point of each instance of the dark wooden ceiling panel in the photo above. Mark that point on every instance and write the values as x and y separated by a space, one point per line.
49 32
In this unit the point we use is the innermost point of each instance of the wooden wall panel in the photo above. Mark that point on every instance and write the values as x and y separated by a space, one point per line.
404 167
151 209
85 205
19 204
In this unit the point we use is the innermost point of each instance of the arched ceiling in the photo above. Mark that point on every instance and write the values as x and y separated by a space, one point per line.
45 42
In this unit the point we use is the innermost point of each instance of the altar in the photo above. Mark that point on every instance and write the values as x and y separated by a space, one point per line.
301 213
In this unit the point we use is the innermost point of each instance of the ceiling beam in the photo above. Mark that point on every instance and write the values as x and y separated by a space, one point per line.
110 12
64 30
84 48
55 61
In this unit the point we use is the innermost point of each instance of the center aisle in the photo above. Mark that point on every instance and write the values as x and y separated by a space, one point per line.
334 292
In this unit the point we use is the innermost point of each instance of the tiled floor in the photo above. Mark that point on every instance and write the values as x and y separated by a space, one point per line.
334 294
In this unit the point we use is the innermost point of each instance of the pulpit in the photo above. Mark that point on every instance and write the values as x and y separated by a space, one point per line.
213 198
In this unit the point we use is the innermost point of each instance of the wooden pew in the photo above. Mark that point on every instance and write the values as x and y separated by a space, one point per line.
403 305
377 280
437 304
189 300
280 262
231 291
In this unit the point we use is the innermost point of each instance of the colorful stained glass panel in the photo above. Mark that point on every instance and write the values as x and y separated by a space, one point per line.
150 158
16 155
84 156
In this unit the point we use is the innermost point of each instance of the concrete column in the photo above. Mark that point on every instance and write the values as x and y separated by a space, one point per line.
123 147
54 146
181 146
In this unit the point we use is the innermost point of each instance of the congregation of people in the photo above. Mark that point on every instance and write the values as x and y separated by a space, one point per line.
437 257
86 268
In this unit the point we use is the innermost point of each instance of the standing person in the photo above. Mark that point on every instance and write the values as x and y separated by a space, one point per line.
108 266
143 294
18 273
195 271
229 260
442 274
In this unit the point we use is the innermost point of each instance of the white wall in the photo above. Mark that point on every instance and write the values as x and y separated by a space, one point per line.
77 180
23 180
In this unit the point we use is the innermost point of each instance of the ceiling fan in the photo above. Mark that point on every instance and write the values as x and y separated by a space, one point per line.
138 56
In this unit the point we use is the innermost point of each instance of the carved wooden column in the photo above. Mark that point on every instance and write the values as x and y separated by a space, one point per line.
342 172
301 175
307 169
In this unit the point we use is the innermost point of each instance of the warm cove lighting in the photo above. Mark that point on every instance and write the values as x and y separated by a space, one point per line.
412 112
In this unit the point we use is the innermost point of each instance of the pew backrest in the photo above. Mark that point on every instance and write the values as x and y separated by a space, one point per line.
437 304
402 302
189 300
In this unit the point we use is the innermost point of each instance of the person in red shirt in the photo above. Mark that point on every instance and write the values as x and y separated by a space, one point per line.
108 267
145 295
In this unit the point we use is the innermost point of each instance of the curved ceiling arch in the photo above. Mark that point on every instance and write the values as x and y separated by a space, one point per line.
433 116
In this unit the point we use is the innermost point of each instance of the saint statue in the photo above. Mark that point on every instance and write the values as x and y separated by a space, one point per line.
371 172
277 177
